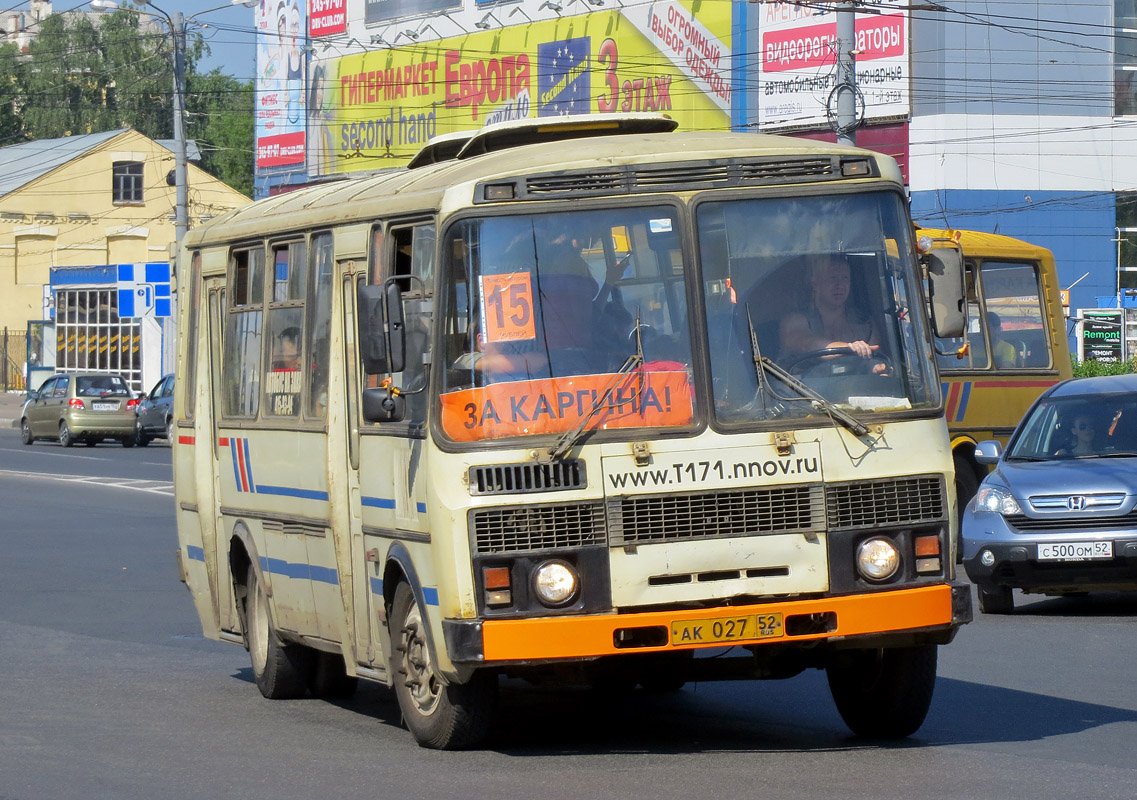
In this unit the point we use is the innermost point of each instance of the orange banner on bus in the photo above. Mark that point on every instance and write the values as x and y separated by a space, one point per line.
554 405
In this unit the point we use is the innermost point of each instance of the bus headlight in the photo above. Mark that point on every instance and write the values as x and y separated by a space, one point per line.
555 583
877 559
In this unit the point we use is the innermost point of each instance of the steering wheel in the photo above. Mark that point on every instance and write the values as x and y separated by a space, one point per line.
834 355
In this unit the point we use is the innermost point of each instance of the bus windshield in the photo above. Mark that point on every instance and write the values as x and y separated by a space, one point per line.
555 321
824 288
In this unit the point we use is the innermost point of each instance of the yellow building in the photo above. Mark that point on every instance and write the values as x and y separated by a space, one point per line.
71 205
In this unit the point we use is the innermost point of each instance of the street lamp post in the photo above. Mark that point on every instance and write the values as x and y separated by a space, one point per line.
177 24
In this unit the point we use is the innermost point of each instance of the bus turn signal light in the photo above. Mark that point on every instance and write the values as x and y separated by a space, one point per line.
927 554
496 583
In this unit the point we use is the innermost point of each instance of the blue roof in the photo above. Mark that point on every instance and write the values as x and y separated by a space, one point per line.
1103 384
20 164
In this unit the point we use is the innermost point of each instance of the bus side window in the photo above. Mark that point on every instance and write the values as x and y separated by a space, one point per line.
319 323
242 339
976 355
285 374
412 255
1016 327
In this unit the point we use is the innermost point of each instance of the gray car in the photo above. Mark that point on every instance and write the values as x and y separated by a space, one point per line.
156 413
1058 514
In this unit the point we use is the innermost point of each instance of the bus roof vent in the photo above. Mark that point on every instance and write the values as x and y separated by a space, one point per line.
524 478
682 176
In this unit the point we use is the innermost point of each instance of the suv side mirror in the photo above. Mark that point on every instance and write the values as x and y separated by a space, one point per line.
947 291
988 451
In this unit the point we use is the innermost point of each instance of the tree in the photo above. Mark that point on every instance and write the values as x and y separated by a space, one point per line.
88 74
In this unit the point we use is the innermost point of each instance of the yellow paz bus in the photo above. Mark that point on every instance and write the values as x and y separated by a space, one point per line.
581 400
1014 346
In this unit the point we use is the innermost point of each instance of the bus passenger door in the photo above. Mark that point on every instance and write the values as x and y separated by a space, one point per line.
343 455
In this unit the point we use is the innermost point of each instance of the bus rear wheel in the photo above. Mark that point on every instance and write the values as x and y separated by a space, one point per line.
884 693
280 670
440 715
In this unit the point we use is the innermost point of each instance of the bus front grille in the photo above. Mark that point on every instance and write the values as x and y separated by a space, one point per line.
531 477
886 503
516 529
646 519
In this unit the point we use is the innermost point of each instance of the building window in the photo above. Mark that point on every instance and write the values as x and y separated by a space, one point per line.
128 182
1125 57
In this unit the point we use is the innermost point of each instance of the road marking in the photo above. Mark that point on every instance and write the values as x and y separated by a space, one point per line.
134 484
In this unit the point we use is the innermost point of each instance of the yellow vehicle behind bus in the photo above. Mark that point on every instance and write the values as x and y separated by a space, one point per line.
568 399
1016 345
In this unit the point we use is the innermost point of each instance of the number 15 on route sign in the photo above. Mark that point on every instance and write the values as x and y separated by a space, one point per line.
507 307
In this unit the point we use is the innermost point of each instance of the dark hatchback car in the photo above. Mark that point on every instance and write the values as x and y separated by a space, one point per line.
155 413
1058 514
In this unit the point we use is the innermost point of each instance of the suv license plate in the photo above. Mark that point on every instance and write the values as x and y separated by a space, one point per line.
727 629
1074 551
104 406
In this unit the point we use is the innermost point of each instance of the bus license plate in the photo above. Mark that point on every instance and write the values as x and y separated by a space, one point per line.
1074 551
727 629
104 406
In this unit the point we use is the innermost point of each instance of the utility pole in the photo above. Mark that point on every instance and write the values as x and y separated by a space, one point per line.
845 92
181 211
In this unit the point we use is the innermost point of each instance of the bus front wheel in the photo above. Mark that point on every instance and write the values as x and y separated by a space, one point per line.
883 693
440 715
280 670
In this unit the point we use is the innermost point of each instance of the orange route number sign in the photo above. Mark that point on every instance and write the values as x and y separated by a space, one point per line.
507 307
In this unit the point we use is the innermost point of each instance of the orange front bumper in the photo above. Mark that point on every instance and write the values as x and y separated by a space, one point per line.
597 635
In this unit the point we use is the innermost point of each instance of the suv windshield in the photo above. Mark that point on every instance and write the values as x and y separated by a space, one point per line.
555 321
1089 426
822 287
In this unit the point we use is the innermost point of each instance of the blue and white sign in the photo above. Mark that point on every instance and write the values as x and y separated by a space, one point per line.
144 290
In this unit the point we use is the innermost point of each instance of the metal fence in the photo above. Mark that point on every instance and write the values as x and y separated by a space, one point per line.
14 352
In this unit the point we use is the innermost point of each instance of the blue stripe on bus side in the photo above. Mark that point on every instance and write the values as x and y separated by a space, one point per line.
288 491
422 508
964 397
276 566
429 594
236 468
195 553
377 502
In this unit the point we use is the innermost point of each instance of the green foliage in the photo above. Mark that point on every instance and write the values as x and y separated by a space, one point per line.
1092 369
85 74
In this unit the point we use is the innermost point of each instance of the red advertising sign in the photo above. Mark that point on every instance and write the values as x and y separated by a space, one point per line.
816 45
327 17
286 148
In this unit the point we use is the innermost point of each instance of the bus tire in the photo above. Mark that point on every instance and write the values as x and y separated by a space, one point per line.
883 693
966 485
280 670
440 715
329 679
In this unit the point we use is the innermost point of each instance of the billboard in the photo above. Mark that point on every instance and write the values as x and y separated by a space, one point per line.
280 103
1100 335
797 70
376 109
327 17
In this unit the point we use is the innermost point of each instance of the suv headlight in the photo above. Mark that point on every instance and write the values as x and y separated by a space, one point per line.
997 500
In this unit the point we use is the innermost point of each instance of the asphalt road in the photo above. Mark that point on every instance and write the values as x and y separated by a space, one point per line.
107 690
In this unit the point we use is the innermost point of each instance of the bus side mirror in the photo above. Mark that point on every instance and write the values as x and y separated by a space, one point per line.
383 404
382 348
947 291
396 326
369 330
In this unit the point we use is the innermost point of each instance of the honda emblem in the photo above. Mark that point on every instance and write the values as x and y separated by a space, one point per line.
1075 502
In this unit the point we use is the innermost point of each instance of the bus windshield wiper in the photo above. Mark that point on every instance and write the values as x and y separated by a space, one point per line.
764 366
570 437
